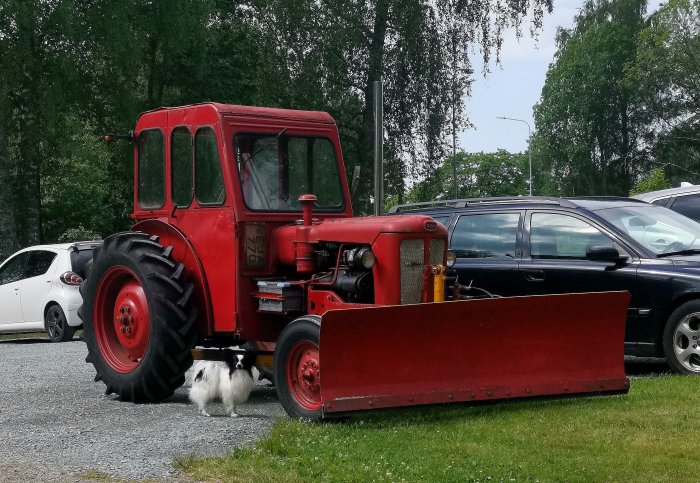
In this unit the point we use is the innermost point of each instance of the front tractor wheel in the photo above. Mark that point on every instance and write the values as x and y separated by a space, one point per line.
297 370
138 320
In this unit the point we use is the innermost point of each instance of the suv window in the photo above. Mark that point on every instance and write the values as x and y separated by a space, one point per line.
554 235
441 219
688 205
485 235
39 263
12 271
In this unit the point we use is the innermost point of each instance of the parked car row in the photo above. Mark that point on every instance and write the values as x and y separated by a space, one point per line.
506 246
538 245
39 289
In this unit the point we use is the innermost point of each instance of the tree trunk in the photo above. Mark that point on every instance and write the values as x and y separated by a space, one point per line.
374 73
8 237
26 119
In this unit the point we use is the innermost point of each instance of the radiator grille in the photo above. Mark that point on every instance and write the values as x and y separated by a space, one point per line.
412 260
437 250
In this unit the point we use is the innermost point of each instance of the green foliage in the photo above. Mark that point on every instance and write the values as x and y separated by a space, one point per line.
617 438
621 97
655 180
589 137
73 70
665 76
478 175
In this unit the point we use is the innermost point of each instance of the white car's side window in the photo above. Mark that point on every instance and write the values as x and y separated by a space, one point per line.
13 270
39 263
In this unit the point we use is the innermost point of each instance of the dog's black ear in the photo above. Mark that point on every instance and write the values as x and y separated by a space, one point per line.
248 360
199 375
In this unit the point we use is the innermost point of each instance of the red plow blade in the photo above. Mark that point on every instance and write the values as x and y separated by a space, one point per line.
473 350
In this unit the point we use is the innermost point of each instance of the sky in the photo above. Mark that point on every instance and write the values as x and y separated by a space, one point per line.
513 88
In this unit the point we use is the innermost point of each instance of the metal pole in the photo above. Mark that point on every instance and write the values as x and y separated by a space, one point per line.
529 150
454 152
378 148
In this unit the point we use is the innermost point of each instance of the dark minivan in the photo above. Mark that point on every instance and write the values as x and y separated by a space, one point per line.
539 245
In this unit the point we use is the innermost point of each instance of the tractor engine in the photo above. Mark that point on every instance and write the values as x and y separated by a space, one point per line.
357 260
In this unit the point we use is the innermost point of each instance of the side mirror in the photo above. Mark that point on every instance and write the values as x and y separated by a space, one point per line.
604 254
354 181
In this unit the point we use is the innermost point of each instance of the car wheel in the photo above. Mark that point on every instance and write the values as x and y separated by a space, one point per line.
680 339
56 324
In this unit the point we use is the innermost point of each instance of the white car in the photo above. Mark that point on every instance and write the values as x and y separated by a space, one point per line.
39 289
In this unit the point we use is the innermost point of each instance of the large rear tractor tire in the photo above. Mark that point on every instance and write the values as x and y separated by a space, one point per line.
139 324
297 370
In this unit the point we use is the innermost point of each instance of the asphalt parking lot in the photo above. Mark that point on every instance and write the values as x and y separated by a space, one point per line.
57 425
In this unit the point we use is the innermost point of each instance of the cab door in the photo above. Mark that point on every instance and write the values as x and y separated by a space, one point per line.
11 274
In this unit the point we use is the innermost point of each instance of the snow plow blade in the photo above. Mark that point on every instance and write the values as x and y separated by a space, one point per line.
475 350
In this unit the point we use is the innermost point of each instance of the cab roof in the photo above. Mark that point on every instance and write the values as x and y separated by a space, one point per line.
231 110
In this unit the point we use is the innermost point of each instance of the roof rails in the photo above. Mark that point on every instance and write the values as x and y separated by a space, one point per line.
604 198
463 203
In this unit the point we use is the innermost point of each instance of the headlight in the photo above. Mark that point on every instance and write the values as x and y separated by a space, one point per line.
367 258
360 258
451 258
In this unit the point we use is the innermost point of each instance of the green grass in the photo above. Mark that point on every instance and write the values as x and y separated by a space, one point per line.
647 435
33 335
24 335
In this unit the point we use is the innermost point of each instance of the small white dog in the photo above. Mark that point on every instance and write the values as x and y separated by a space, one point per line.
229 381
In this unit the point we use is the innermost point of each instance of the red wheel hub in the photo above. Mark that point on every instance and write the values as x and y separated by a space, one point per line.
304 375
121 319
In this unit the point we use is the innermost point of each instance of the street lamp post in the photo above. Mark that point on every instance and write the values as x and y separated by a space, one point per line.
529 152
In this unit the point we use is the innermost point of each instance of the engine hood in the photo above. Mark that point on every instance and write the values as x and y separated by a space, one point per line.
367 229
363 229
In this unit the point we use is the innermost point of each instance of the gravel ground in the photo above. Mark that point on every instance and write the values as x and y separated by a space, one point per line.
56 424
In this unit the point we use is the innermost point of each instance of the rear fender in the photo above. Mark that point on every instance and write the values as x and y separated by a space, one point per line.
183 251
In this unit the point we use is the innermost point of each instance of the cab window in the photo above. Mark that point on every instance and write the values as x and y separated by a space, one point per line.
492 235
209 182
275 170
553 235
151 170
181 166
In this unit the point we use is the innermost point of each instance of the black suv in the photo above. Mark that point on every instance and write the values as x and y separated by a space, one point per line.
539 245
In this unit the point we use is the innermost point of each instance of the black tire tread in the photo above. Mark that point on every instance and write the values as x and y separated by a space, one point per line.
173 329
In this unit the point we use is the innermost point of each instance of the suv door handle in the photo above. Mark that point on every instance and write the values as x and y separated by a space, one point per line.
534 275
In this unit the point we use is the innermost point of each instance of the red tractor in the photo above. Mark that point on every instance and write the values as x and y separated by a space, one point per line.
244 233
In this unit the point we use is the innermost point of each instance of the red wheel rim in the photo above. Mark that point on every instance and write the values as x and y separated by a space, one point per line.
121 319
304 375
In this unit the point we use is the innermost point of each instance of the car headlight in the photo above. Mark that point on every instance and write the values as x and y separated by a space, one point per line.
451 259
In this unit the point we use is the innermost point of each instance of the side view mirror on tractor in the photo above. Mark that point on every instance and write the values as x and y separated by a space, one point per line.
244 234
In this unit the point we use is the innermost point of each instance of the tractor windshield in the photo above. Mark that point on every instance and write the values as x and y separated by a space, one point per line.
276 169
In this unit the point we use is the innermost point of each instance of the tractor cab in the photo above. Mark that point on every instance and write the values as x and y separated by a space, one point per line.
224 179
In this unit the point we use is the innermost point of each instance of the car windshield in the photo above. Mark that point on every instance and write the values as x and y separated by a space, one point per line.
276 169
661 230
